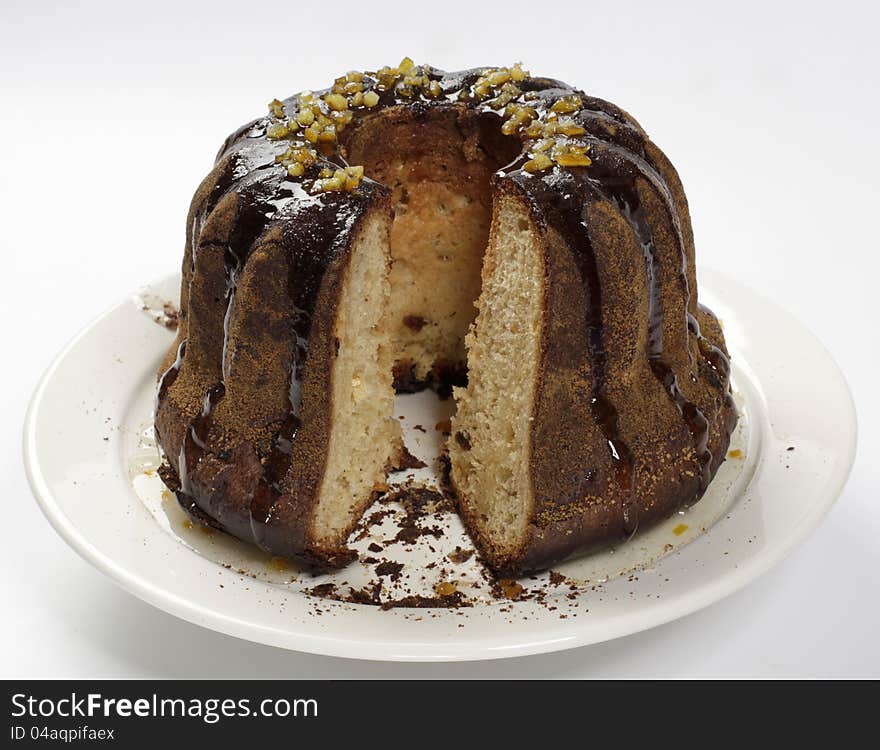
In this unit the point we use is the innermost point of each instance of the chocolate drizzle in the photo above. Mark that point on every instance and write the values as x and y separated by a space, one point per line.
195 442
269 487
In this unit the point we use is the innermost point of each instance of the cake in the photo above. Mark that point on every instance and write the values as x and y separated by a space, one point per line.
501 236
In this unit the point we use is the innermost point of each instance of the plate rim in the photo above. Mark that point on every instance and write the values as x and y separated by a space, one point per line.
192 611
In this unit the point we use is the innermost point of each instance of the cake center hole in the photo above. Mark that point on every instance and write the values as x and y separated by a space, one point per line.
438 166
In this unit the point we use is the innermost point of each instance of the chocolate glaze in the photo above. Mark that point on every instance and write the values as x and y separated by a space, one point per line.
315 230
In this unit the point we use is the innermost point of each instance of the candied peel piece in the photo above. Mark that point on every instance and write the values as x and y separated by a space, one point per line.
567 105
276 108
445 588
510 588
573 160
538 163
571 155
343 179
336 102
305 117
277 131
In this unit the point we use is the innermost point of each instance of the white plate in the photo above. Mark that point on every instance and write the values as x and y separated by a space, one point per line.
90 462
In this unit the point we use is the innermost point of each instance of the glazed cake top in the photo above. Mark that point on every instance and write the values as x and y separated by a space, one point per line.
551 119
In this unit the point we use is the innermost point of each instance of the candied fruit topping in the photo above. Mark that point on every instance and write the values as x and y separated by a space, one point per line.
571 155
311 122
517 118
538 163
346 179
305 117
336 101
276 108
277 131
500 83
567 104
549 132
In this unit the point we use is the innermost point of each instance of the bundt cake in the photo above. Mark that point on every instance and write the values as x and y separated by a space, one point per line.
488 231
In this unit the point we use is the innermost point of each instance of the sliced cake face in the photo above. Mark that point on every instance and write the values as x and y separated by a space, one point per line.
364 438
336 253
490 447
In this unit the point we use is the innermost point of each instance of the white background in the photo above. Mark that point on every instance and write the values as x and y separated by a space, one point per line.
110 114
